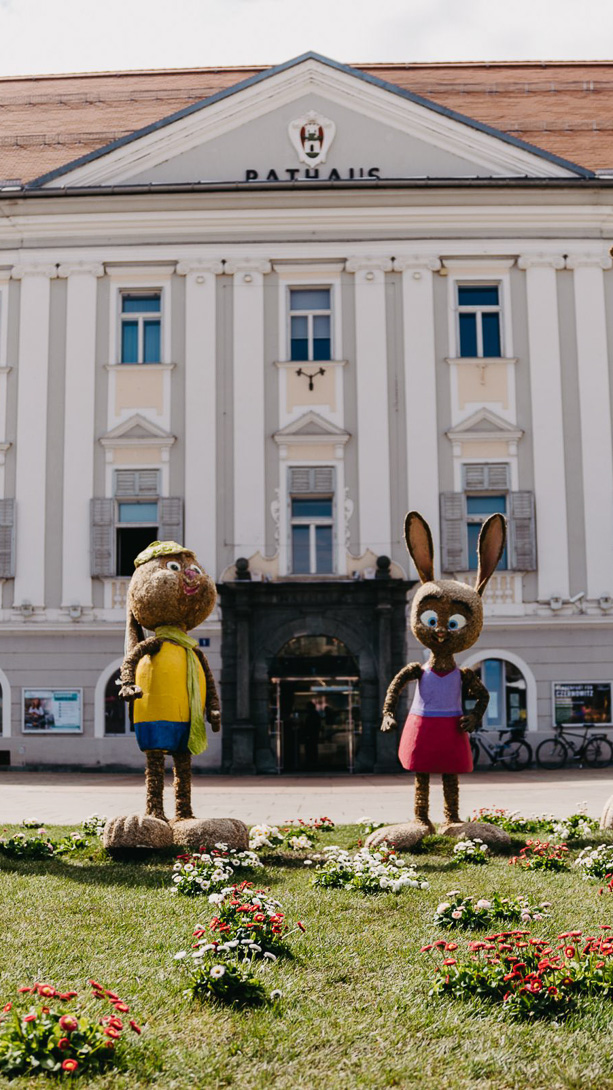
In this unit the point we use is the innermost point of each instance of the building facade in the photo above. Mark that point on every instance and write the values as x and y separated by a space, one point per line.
269 324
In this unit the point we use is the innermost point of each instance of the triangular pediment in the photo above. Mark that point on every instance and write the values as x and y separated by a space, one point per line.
137 429
311 424
310 118
485 424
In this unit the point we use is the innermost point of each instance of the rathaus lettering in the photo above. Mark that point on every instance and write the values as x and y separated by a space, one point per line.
294 174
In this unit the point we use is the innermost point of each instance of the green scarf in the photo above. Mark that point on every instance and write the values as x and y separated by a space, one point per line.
197 731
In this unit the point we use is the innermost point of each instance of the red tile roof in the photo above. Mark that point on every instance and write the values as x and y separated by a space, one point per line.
564 107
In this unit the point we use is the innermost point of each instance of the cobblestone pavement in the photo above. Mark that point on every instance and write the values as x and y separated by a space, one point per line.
66 798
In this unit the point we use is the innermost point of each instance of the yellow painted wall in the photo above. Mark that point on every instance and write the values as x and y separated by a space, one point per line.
141 389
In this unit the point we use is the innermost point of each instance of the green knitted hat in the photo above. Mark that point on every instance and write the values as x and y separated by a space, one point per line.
159 548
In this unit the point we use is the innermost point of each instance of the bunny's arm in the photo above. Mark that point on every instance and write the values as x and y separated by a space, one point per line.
408 673
129 690
213 711
473 689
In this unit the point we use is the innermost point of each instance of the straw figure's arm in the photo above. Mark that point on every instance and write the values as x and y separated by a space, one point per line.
473 689
213 711
127 675
412 672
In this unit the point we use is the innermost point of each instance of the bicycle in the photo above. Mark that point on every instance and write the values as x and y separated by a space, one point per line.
593 750
512 752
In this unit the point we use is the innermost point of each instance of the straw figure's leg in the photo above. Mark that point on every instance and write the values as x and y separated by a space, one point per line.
451 797
154 779
422 800
183 786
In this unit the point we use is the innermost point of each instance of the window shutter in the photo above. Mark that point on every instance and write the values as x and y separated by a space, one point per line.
485 476
311 479
7 539
102 537
522 531
136 482
170 516
454 544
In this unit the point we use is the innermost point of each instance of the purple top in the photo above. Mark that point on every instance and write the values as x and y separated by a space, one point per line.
438 694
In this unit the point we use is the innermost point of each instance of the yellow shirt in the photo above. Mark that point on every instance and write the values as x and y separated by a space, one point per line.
163 679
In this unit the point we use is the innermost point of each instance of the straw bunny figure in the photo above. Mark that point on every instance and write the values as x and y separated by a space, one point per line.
446 617
168 680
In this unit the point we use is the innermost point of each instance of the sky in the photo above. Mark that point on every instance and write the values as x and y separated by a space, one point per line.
99 35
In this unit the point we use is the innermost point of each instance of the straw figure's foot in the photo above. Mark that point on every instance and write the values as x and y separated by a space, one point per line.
136 835
496 839
402 837
196 833
606 821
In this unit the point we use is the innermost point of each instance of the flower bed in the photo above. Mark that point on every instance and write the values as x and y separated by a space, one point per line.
467 914
52 1040
511 820
375 870
596 862
94 825
40 846
204 872
575 827
538 855
526 975
471 851
296 836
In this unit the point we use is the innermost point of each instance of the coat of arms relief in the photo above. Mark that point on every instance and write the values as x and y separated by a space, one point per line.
311 136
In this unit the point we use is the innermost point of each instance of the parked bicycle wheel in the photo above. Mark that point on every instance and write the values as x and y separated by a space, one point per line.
475 750
598 752
516 754
552 753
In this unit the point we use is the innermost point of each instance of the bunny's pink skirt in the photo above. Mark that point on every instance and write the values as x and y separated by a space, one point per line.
435 744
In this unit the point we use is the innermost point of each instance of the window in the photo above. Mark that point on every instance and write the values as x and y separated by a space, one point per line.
478 509
310 324
507 708
479 320
116 711
312 520
141 324
136 515
137 527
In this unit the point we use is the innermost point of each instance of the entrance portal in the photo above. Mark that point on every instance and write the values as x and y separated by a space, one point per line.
314 706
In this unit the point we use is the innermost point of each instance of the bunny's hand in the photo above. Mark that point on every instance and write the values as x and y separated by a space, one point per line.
389 723
215 719
469 722
130 691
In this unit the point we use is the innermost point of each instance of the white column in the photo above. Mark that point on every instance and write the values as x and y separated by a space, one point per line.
420 390
595 415
248 380
200 409
547 423
31 438
79 430
372 395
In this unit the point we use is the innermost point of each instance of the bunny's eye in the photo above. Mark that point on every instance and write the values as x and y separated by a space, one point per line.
173 565
456 622
429 618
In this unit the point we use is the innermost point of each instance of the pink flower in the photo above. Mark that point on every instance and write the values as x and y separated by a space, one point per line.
70 1065
68 1023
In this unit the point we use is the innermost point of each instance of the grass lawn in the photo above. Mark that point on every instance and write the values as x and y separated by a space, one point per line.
355 1009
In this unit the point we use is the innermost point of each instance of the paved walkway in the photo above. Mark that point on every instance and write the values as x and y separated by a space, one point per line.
67 798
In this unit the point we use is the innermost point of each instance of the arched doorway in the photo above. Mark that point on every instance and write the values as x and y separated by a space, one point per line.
512 688
314 705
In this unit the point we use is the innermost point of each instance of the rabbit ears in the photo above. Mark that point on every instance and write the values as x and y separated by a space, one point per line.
492 540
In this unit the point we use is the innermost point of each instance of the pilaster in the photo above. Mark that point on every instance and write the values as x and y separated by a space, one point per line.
372 399
31 431
249 431
595 415
420 388
200 404
547 423
79 430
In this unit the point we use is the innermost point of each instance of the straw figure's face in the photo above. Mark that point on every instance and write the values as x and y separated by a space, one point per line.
171 590
446 615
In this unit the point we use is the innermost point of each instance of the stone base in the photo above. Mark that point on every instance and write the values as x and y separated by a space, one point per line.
402 837
496 839
196 833
136 835
606 821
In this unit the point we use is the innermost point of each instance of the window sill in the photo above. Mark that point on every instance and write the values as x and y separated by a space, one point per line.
481 361
309 363
140 367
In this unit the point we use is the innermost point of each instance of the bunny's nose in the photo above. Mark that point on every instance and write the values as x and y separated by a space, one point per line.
190 575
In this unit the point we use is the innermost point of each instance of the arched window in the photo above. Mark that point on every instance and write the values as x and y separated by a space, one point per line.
5 706
512 688
111 713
